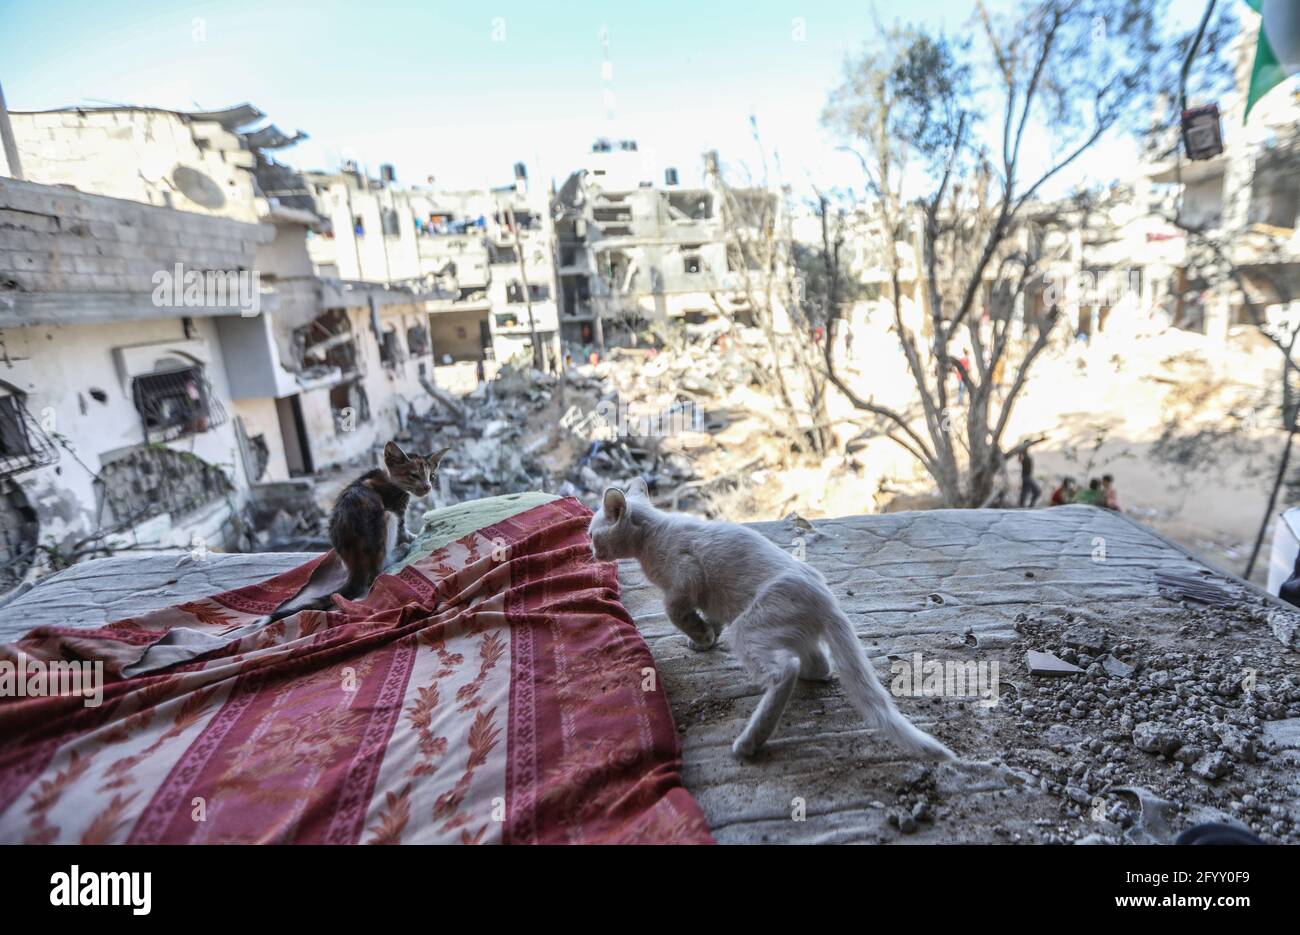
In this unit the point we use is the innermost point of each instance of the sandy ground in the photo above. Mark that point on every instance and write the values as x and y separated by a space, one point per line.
1103 408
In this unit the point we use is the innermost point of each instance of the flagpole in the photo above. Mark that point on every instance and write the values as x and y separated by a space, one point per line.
1191 54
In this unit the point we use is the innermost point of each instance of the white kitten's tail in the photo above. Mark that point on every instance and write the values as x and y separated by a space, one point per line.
869 697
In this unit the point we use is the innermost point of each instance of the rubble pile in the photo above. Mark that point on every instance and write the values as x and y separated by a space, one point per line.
283 517
644 411
485 434
1211 731
658 412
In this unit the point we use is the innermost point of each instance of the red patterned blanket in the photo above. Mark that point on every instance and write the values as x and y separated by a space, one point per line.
495 691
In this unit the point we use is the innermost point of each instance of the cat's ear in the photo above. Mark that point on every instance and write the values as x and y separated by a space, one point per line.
637 487
393 454
615 504
436 458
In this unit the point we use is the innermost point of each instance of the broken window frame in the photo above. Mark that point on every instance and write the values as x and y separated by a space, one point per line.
176 385
390 348
19 533
24 446
329 339
417 341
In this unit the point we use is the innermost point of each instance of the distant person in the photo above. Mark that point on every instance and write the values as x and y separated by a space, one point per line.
1109 496
480 371
961 367
1029 489
1091 496
1065 493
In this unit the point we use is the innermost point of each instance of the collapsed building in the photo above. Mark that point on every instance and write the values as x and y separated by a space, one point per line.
633 250
167 350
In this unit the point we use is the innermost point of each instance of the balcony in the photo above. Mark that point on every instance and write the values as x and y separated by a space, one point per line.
23 445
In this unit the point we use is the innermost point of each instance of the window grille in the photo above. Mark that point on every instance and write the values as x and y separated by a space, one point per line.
176 403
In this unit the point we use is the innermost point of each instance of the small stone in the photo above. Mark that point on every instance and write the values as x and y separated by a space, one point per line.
1116 668
1236 742
1078 795
1085 639
906 824
1156 738
1213 766
1189 754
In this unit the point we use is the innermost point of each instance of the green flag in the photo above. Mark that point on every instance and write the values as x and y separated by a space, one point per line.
1277 57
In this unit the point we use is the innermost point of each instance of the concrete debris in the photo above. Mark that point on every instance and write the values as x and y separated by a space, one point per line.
1213 766
285 517
1048 664
1116 668
1156 738
1216 735
1084 638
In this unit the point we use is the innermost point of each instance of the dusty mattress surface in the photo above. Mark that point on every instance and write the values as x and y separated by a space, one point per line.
1055 759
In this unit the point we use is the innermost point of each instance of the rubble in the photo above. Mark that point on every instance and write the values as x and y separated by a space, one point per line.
1213 733
1047 664
1156 738
649 411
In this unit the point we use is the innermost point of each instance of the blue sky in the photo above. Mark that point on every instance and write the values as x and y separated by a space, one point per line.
462 91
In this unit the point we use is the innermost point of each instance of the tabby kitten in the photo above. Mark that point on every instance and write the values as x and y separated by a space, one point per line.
368 522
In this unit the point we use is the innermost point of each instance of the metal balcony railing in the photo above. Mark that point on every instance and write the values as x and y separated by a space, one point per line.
23 445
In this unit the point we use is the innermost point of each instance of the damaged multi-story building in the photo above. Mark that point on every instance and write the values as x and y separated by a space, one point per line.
633 248
489 252
1206 247
165 341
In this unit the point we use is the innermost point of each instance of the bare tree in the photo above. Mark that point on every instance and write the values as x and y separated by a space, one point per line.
965 203
765 275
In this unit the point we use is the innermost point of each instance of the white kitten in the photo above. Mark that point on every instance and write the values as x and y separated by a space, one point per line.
780 610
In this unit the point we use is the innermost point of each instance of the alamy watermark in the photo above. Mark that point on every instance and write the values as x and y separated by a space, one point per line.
948 678
208 288
34 678
620 420
1087 289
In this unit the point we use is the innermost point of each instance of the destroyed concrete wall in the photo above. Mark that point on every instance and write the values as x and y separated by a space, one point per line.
141 483
78 380
630 247
151 156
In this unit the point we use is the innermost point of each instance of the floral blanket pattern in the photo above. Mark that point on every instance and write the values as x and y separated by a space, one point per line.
494 691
